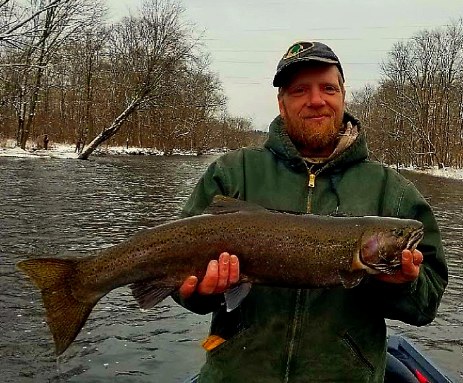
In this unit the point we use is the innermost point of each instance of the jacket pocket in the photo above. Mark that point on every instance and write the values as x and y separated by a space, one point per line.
357 352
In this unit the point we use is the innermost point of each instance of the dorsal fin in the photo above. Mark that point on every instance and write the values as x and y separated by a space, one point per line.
223 205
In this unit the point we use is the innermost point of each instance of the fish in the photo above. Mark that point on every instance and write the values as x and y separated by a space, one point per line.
274 248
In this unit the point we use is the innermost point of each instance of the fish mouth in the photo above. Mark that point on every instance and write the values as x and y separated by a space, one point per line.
391 266
388 268
395 264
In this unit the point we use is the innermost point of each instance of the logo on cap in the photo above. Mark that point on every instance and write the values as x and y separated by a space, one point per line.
297 48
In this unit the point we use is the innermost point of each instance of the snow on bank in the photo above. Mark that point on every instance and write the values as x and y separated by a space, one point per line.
56 151
68 151
446 172
453 173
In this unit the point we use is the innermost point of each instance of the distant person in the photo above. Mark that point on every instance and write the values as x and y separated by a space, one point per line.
315 160
78 145
45 141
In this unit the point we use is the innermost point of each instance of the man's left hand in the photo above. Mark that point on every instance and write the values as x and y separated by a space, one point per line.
411 262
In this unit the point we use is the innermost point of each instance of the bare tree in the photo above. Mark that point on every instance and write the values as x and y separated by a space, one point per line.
54 22
16 22
416 109
146 73
146 51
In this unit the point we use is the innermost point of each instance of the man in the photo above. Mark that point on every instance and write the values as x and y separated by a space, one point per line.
315 160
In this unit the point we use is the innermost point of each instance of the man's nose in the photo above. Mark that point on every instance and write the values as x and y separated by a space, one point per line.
315 98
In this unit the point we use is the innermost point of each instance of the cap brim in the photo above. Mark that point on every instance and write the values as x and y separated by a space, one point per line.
283 71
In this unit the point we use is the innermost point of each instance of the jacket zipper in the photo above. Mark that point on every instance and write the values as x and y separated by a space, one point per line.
311 184
294 327
298 304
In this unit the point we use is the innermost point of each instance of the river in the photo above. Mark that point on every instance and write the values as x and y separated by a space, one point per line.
67 207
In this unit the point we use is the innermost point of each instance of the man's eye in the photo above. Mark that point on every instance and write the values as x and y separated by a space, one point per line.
331 89
297 91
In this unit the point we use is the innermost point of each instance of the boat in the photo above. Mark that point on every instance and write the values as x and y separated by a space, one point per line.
404 364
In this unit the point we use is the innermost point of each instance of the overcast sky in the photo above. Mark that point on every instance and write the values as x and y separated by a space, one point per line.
246 39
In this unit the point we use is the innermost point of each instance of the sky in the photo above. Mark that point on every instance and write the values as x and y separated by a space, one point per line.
247 38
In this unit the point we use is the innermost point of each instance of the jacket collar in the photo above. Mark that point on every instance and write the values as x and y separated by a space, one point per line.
281 145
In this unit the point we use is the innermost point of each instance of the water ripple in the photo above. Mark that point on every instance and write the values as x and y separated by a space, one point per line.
68 207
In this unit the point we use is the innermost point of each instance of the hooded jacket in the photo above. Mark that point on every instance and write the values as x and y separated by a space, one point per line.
315 335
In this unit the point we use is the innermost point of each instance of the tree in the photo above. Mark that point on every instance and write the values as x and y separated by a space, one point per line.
16 23
416 109
145 53
47 25
146 73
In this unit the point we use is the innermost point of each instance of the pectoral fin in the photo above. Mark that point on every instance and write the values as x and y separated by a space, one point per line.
235 295
148 295
351 279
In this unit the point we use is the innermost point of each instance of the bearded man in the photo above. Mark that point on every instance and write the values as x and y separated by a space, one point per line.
314 161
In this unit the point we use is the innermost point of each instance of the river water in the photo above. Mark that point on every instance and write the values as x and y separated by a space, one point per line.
66 207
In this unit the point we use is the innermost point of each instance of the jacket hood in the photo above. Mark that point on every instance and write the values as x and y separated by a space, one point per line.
281 145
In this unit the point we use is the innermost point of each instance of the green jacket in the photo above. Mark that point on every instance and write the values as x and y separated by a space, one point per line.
315 335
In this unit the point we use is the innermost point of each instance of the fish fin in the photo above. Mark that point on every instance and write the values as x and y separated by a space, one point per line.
235 295
148 294
351 279
223 205
66 315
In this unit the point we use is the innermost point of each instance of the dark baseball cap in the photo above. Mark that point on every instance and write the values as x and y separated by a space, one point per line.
304 52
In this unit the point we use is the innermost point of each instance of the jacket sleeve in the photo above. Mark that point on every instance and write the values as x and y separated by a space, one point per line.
210 184
415 303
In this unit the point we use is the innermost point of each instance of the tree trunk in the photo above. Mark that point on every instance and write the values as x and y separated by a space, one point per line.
112 130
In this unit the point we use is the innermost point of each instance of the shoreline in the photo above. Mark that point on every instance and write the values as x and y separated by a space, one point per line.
65 151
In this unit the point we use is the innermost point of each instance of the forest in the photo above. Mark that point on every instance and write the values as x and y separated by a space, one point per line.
68 74
414 116
145 81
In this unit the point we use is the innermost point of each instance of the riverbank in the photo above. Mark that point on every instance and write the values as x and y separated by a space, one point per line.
68 151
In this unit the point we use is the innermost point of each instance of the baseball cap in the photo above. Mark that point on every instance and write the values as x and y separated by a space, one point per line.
304 52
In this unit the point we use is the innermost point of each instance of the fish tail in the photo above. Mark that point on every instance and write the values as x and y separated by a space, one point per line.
66 315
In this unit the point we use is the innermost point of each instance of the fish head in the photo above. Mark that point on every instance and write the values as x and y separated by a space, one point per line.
382 245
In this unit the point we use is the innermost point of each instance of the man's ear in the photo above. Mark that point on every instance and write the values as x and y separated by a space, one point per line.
281 106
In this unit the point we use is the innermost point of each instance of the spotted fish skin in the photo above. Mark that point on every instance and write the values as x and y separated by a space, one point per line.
275 249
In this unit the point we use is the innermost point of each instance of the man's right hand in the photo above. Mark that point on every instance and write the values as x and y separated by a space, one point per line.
220 275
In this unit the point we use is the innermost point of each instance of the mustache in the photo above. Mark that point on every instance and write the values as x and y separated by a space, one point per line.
320 113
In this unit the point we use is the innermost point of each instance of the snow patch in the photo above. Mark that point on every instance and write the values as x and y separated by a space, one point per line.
9 149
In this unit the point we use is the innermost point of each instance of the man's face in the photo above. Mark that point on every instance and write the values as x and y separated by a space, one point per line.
312 107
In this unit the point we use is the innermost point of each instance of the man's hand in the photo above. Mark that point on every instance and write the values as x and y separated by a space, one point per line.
411 262
220 275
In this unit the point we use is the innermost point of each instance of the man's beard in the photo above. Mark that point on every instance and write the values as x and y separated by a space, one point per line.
313 138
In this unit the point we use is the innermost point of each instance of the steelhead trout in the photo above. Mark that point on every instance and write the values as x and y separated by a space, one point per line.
276 249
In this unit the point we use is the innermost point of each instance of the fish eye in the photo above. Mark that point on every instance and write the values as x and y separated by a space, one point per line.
398 232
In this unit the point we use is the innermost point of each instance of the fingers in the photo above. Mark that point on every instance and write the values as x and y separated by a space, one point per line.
411 264
228 272
410 270
220 275
210 280
188 287
234 272
224 271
